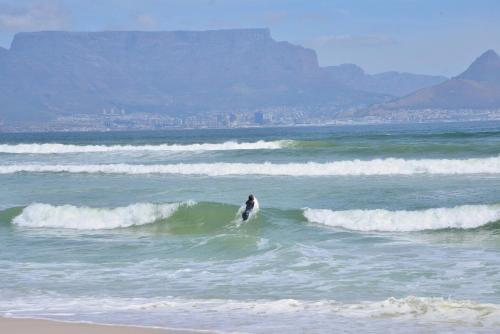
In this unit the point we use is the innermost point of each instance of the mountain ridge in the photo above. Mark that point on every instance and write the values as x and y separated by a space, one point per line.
390 82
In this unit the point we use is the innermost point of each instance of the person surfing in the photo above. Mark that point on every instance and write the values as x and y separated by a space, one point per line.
250 203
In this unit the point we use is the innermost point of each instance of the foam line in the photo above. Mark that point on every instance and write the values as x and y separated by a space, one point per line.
57 148
411 308
389 166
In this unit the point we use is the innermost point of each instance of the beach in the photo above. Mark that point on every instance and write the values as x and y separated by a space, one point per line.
29 326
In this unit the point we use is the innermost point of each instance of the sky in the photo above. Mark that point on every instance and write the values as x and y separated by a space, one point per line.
439 37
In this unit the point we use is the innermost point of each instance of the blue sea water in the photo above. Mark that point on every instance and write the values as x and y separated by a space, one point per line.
389 228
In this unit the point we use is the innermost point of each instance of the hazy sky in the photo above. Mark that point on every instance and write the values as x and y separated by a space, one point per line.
421 36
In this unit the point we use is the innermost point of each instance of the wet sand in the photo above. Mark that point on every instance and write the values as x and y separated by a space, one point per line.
32 326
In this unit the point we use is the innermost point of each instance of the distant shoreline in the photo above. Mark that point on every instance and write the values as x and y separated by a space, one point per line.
254 127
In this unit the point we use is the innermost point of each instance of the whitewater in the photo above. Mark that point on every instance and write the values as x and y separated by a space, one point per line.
460 217
391 166
359 229
222 314
39 215
85 218
58 148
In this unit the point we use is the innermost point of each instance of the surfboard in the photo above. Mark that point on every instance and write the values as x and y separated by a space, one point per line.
245 214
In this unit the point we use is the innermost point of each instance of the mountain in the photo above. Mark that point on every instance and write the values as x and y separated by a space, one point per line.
476 88
48 74
390 83
485 69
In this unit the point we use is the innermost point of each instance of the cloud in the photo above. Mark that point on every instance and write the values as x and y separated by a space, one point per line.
39 15
350 40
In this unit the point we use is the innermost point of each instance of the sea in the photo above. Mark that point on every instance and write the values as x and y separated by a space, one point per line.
360 229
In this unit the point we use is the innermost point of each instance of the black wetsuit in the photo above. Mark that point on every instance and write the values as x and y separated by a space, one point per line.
250 204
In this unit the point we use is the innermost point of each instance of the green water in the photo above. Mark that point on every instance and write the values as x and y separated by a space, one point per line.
407 238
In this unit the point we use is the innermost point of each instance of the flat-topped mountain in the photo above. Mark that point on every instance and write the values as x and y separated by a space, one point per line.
45 74
476 88
222 56
48 74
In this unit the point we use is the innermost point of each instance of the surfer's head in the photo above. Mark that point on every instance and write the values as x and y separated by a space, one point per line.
251 197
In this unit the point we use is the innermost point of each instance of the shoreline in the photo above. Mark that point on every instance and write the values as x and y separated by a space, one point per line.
47 326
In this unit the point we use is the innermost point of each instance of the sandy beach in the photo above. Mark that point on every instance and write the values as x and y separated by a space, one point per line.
31 326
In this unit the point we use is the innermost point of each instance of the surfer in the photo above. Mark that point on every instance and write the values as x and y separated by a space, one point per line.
250 203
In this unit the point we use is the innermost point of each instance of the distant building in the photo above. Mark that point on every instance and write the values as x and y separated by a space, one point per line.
222 120
258 118
232 118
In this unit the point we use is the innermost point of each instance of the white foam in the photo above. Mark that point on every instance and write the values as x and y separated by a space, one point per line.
295 312
429 309
57 148
85 218
423 309
462 217
389 166
433 309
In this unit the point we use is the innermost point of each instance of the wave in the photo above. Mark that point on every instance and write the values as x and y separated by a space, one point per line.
204 217
390 166
85 218
236 313
432 309
174 218
459 217
409 308
57 148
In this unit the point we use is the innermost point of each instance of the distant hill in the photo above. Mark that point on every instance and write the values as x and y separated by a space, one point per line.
476 88
390 83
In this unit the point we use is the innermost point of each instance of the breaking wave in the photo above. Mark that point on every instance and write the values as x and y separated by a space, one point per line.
432 309
85 218
460 217
57 148
172 218
390 166
205 217
236 313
